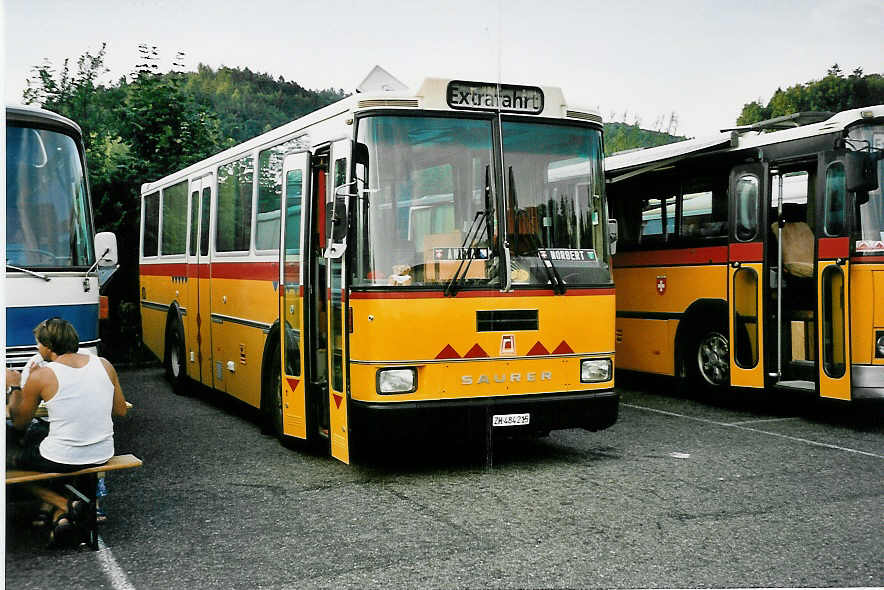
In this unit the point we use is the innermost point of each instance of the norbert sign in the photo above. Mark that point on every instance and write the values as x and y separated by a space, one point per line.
481 95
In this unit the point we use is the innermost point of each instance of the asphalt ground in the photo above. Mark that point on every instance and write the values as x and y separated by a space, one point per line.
682 492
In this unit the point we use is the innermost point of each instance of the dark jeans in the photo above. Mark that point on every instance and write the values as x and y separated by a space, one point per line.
23 449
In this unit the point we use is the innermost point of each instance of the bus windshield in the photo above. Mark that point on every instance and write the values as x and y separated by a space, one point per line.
871 214
555 206
425 213
425 207
48 222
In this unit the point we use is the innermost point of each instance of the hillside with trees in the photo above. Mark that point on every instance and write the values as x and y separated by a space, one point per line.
834 92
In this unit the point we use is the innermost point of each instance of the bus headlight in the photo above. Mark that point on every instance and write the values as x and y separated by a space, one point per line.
879 344
595 370
397 380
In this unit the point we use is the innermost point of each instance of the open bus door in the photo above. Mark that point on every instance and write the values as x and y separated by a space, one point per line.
833 271
296 180
337 213
745 274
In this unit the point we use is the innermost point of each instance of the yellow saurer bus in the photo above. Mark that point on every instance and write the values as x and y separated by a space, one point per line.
755 258
394 261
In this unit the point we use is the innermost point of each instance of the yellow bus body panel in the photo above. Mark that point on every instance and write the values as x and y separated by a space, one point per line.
413 332
646 344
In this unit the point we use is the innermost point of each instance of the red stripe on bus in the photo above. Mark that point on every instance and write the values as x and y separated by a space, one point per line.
707 255
834 248
167 269
259 271
751 252
468 294
867 259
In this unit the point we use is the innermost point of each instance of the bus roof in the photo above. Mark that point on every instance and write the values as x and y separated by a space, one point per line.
431 95
35 116
637 161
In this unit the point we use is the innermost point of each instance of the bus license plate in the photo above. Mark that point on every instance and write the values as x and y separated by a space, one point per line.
510 419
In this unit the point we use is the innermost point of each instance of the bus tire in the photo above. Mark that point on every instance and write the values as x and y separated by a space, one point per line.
271 396
175 359
708 357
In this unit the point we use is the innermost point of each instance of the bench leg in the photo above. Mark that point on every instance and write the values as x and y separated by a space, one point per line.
88 483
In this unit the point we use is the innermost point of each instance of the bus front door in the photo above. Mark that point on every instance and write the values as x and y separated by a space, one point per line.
337 309
296 177
745 274
833 271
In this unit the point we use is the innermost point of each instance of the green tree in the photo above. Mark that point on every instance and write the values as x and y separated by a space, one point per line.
834 92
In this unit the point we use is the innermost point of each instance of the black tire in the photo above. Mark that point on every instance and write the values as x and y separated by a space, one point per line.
708 358
175 360
271 396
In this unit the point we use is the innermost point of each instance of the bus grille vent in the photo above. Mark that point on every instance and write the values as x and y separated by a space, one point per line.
388 102
507 320
584 116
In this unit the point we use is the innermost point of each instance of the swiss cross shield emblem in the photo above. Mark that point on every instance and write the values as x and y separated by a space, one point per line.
661 284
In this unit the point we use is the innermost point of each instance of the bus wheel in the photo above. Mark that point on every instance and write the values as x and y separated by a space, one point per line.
175 358
711 358
271 406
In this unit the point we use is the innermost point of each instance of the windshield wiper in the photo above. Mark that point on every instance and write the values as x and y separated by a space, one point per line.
466 253
30 272
552 273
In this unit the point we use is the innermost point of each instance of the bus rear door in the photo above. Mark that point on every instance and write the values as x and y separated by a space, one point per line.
197 322
745 284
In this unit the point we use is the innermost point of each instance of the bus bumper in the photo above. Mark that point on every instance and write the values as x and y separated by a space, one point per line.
867 382
591 410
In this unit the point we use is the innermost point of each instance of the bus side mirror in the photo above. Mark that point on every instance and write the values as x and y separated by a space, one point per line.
105 244
861 171
613 234
106 248
338 219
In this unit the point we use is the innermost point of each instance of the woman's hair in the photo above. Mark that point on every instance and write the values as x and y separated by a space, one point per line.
57 335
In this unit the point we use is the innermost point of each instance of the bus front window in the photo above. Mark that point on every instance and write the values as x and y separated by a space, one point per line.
423 210
47 212
554 203
870 233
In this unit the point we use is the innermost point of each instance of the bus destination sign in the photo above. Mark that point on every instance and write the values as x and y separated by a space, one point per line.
481 95
568 255
460 254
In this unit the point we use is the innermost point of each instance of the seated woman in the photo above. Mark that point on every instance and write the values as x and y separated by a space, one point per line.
81 392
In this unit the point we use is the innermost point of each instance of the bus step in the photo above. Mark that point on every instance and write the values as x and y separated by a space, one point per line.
796 385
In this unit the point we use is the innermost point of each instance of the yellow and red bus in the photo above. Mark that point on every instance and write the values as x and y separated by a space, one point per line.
755 258
394 260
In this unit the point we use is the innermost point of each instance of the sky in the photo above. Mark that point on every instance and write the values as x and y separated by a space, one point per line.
634 61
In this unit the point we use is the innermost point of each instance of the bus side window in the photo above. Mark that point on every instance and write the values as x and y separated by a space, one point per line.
747 208
233 221
174 232
150 244
836 197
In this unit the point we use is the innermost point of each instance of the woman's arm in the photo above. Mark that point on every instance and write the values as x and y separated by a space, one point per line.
119 407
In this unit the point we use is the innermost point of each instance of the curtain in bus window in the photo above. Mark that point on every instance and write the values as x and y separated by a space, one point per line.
234 217
174 219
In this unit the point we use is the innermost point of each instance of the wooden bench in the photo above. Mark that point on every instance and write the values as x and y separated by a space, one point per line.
83 486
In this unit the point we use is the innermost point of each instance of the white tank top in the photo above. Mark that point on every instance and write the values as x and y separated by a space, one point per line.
81 430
